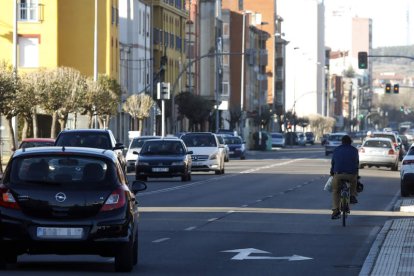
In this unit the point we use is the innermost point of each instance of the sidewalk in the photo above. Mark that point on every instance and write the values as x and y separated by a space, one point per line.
392 253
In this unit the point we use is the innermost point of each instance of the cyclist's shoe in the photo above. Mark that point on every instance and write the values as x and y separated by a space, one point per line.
353 200
336 214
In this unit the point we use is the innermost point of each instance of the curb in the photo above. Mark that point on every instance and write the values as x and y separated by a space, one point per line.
375 249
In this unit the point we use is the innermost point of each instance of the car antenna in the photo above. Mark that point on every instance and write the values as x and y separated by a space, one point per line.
63 148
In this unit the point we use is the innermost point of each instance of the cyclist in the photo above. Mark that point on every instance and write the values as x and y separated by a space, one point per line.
344 166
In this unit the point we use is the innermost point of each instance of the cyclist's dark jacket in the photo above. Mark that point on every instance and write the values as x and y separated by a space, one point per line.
345 159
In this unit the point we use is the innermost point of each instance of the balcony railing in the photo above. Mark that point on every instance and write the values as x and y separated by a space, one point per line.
28 12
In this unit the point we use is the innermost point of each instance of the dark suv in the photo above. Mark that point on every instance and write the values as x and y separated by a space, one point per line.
310 138
92 138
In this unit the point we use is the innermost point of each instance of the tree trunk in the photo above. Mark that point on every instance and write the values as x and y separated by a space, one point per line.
11 133
35 128
139 124
53 128
25 128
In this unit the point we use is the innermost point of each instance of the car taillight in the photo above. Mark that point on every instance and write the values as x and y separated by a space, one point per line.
362 150
115 201
391 152
408 162
6 198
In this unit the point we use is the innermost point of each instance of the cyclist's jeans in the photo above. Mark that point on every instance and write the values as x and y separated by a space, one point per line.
336 187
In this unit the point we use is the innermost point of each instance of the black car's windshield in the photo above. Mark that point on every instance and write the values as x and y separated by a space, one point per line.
233 140
152 147
138 142
68 171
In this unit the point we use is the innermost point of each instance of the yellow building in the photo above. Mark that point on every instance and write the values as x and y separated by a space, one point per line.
53 33
169 20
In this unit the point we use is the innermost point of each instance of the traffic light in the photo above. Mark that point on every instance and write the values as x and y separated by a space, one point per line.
402 108
388 88
362 60
396 88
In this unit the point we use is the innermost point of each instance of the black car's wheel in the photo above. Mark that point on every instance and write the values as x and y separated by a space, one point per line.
242 157
326 153
189 177
124 259
361 166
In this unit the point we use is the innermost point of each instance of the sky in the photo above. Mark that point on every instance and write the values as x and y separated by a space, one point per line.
392 20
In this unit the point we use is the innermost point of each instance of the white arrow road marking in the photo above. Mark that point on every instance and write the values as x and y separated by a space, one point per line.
243 254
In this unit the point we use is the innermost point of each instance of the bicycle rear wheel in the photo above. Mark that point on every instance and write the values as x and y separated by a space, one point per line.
344 215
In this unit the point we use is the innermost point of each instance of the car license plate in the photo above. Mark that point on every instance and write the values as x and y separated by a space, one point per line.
196 163
231 152
160 169
59 232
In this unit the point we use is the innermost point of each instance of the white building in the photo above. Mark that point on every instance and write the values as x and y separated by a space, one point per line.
135 51
305 55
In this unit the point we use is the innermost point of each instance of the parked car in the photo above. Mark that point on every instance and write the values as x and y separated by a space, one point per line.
208 154
92 138
220 137
378 152
163 157
236 146
333 141
135 145
407 173
278 139
295 138
226 131
324 139
36 142
67 200
310 138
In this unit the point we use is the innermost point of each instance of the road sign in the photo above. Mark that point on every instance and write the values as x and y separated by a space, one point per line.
244 254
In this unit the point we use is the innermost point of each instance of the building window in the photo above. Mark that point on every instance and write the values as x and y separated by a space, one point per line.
29 52
225 60
241 5
172 41
166 39
226 32
28 10
156 36
226 88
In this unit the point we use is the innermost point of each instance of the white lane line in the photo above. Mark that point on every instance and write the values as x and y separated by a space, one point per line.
190 228
161 240
212 219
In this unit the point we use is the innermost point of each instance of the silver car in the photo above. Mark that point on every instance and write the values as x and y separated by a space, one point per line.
378 152
333 141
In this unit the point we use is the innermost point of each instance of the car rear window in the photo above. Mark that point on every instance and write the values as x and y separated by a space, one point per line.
277 135
84 139
335 137
377 144
77 172
33 144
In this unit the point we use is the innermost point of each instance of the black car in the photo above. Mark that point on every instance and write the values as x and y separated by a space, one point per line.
63 200
236 146
310 138
92 138
165 157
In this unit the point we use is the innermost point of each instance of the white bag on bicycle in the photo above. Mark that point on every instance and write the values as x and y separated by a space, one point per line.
328 185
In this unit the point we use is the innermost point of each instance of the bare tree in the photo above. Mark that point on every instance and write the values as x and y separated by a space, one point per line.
9 85
139 107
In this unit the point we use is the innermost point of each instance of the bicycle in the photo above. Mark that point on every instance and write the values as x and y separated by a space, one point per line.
345 193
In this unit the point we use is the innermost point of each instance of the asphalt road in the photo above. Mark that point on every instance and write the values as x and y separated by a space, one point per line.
267 215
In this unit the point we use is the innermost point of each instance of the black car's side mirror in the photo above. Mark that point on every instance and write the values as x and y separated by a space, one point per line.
190 152
138 186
